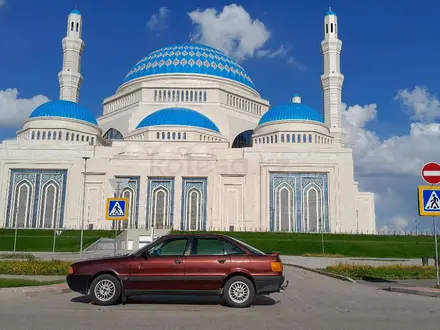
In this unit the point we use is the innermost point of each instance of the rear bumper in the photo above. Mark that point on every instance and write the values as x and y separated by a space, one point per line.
78 283
270 284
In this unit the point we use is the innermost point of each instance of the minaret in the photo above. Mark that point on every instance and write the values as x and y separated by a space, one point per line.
70 77
332 79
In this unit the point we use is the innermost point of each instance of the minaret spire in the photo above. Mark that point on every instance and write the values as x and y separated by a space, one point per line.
332 78
70 77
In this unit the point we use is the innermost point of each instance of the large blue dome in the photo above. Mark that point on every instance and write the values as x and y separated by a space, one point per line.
190 59
178 117
291 111
63 109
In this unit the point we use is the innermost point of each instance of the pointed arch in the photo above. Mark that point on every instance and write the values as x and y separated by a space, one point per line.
284 208
193 209
160 207
49 205
243 140
22 204
129 193
113 134
312 196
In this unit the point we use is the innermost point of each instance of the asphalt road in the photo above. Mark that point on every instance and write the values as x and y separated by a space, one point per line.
312 301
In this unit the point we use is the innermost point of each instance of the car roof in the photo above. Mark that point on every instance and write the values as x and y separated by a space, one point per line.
195 235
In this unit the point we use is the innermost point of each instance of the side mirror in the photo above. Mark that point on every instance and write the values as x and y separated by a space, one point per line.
145 254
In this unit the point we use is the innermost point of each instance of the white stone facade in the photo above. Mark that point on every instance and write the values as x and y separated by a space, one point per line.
293 175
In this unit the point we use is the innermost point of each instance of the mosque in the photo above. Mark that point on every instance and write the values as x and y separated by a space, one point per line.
192 145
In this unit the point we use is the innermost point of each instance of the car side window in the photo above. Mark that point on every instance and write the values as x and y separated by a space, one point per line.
207 247
170 247
231 248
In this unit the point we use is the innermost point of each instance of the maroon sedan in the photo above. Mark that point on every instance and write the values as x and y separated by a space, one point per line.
182 264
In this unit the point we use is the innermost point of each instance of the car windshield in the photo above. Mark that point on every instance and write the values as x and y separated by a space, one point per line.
254 250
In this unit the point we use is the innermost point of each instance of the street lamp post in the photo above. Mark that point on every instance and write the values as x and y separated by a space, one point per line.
83 206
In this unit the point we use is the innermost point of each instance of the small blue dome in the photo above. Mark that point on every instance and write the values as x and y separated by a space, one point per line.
63 109
190 59
75 11
291 111
330 12
178 117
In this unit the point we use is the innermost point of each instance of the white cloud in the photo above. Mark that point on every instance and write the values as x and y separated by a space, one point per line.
157 21
2 2
391 167
420 104
13 110
234 32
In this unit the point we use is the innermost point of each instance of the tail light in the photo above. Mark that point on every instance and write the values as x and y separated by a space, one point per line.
70 270
277 267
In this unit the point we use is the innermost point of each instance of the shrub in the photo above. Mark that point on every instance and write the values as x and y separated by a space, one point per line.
35 267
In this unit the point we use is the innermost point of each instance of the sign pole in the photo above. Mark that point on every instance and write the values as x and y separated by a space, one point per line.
436 252
82 209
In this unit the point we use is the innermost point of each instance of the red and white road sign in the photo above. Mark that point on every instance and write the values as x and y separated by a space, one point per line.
431 173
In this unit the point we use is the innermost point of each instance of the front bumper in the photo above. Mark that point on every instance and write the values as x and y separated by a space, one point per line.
270 284
78 283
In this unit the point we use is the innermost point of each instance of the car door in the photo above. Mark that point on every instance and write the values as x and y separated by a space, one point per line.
161 268
206 265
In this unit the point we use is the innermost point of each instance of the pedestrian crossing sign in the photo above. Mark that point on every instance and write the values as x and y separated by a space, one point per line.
117 209
429 200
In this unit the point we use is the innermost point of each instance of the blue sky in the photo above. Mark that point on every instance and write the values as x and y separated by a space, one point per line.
387 46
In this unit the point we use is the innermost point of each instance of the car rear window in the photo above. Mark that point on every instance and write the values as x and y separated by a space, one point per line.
251 248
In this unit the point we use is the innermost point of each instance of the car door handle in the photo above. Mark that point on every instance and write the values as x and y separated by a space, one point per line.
221 261
177 261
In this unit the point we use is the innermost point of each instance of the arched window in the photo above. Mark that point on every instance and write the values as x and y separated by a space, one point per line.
186 96
92 140
160 208
191 96
179 136
194 209
276 138
59 135
67 136
288 138
33 135
82 138
22 204
155 95
312 208
72 25
49 206
87 138
174 135
169 96
310 138
163 135
178 96
204 96
160 96
184 136
77 27
304 138
293 138
282 138
168 135
284 208
43 137
49 135
77 137
174 95
130 195
158 135
113 134
298 138
243 140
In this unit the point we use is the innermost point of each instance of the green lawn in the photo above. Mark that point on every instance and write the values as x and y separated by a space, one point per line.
392 272
13 283
42 240
347 245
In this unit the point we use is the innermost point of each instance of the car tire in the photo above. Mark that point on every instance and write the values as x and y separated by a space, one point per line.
105 290
239 292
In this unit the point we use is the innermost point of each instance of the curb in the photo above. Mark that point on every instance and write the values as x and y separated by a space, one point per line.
321 272
420 292
32 291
